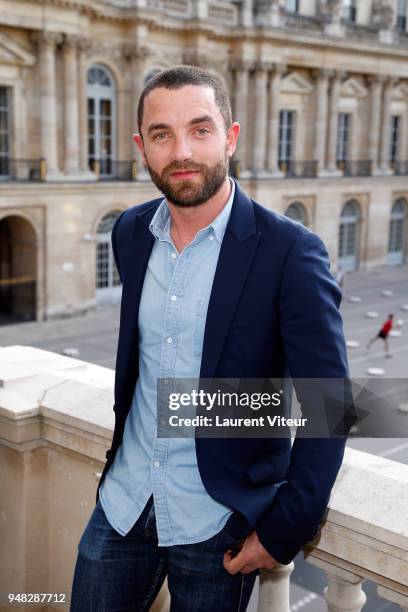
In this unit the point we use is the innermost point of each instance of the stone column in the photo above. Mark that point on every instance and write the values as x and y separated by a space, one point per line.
321 119
333 121
260 119
71 100
47 42
375 119
273 127
83 46
247 12
241 113
137 59
274 588
386 127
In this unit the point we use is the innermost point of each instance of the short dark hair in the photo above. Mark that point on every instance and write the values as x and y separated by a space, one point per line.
180 76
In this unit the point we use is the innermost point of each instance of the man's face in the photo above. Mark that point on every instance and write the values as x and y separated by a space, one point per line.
184 143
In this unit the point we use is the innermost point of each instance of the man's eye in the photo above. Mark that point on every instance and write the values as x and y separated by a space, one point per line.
160 136
202 131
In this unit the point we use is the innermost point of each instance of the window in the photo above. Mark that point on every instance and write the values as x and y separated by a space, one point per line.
4 132
348 236
396 236
343 136
401 15
349 10
101 119
292 6
286 128
394 139
296 212
107 276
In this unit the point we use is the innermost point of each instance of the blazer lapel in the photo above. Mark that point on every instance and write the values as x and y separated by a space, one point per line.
237 252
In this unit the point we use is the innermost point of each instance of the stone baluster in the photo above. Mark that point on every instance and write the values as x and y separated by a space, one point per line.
273 127
274 588
260 119
344 591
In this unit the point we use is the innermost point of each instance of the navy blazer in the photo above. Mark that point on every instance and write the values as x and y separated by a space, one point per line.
273 310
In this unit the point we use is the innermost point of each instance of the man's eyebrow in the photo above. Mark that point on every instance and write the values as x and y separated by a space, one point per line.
164 126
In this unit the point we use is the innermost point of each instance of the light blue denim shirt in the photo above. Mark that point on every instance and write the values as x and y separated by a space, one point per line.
172 315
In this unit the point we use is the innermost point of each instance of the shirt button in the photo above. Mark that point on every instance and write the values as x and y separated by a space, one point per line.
174 298
156 464
211 237
173 255
169 340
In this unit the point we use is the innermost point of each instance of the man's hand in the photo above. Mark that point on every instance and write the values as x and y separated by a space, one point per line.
252 556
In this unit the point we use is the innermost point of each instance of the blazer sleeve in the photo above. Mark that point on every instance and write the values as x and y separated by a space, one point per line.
114 240
312 333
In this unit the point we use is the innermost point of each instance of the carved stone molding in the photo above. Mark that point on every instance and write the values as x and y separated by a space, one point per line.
47 38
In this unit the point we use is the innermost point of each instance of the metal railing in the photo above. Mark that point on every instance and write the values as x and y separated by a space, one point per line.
24 170
400 168
298 169
360 167
114 170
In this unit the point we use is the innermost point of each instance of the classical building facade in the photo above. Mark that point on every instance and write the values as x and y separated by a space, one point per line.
320 88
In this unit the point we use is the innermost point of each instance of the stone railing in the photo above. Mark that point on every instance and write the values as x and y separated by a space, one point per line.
56 423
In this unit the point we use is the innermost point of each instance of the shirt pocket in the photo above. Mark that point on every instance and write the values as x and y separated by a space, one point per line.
200 316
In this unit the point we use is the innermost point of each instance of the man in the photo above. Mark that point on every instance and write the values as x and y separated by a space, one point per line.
383 334
214 285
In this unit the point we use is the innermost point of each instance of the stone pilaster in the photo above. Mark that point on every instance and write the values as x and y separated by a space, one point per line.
322 86
71 102
375 121
83 46
47 42
247 12
260 119
273 127
241 88
333 121
386 127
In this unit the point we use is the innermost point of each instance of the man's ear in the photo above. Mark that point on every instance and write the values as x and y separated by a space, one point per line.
139 142
232 138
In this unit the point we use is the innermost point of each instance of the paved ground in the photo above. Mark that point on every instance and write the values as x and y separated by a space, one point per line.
95 336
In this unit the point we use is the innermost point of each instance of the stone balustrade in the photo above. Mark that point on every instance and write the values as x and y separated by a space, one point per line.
56 424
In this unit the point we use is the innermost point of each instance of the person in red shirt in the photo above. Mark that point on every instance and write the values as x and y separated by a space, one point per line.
383 333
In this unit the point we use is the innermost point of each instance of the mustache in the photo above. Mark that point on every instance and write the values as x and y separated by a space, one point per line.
175 166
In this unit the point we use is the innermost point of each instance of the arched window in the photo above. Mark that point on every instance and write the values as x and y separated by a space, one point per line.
397 231
108 287
348 236
296 212
101 119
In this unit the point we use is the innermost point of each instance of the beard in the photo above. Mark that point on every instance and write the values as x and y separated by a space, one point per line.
187 193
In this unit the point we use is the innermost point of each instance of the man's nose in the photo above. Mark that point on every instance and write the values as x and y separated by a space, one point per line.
182 148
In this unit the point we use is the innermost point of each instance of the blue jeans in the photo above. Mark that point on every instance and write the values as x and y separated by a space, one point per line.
115 572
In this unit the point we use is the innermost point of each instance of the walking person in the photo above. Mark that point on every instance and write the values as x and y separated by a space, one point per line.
214 286
383 334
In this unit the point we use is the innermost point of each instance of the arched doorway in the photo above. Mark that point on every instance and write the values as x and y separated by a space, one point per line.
348 236
101 94
18 270
397 233
108 286
296 211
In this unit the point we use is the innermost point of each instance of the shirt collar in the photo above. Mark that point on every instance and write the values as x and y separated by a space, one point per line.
160 224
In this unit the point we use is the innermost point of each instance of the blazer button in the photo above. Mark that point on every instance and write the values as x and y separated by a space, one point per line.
108 453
